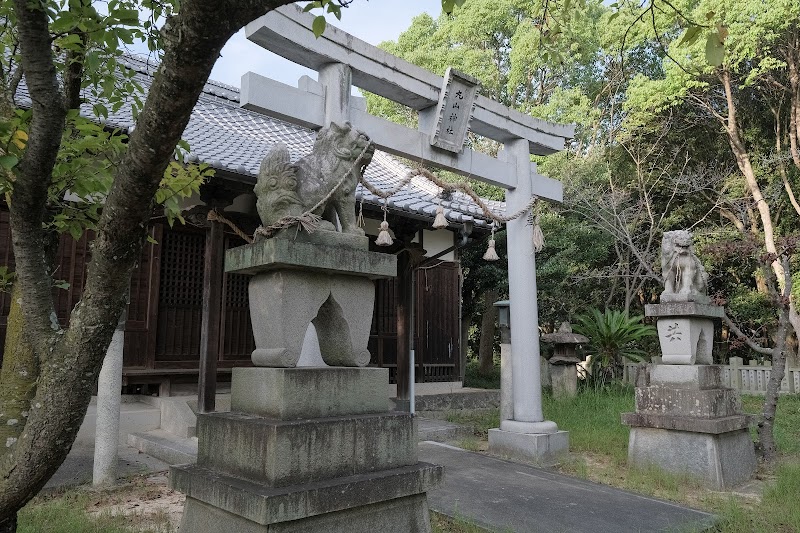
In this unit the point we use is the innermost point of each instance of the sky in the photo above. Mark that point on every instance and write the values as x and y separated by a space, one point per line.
372 21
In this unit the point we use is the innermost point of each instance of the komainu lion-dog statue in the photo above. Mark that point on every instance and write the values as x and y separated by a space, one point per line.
685 279
290 189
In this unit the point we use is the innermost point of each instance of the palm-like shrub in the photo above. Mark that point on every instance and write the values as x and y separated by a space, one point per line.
613 337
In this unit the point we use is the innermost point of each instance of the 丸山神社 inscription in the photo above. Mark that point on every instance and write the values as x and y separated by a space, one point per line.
454 111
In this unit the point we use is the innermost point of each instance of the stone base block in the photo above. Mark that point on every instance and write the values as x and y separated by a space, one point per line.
321 256
539 448
307 392
698 377
388 501
715 426
402 515
711 403
289 452
720 461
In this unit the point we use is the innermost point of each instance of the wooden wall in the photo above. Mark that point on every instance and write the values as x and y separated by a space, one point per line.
162 331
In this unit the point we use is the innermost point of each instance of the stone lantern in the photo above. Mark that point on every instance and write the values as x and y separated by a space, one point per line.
563 370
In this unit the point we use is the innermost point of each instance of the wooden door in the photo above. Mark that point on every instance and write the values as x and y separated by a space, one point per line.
437 322
180 299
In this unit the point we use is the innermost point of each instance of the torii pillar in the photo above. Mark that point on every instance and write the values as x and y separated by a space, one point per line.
528 436
343 60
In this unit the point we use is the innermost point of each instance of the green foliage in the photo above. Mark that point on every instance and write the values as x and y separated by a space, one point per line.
574 250
319 23
90 151
539 57
473 378
613 337
180 181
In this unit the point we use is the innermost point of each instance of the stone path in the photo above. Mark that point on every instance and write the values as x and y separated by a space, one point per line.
506 496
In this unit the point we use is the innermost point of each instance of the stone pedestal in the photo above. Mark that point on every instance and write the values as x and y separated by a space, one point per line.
324 278
306 449
687 422
685 331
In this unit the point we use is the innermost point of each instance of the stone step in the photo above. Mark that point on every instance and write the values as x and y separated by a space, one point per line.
165 446
454 401
178 417
134 416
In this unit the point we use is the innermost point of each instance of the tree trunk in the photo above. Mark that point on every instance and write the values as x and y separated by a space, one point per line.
486 346
70 360
766 426
18 377
743 161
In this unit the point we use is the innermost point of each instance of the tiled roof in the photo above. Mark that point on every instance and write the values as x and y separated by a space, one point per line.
235 140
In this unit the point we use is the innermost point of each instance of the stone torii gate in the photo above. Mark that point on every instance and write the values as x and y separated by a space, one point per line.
342 61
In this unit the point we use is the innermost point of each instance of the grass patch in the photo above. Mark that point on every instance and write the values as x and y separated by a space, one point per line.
66 514
84 510
480 421
473 444
599 451
593 420
777 512
787 420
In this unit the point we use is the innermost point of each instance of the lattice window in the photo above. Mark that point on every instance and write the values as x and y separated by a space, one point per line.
182 270
236 295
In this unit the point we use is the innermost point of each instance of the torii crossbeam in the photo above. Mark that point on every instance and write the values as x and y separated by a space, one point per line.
342 61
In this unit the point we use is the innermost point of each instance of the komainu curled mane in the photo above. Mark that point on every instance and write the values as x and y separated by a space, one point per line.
685 279
284 189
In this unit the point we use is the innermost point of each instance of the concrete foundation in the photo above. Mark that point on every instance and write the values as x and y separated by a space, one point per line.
348 464
396 515
722 460
544 449
686 422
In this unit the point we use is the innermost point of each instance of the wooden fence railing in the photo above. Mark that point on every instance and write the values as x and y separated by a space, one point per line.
749 378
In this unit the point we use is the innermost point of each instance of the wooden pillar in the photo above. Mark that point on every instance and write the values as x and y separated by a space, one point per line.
407 259
210 325
404 288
